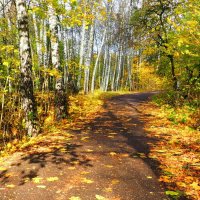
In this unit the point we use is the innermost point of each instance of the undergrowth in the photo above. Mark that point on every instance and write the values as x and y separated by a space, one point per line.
176 130
179 110
80 107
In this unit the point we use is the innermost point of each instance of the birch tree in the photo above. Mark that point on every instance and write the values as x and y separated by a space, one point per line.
60 94
26 89
88 59
82 45
96 63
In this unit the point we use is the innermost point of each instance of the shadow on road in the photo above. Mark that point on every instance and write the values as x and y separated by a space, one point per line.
58 156
122 116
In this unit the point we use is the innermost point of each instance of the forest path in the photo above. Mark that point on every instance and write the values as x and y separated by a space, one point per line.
103 159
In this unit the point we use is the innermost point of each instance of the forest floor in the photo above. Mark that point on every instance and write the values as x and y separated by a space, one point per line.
105 155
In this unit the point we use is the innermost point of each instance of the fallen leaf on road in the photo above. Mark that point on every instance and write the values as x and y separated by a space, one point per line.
10 186
41 186
113 133
125 155
51 179
89 150
84 173
26 180
2 169
75 162
85 180
74 198
99 197
8 175
161 151
113 153
63 150
71 168
151 192
37 179
108 190
84 138
109 166
115 181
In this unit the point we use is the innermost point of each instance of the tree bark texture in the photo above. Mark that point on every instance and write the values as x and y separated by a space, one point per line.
26 87
60 95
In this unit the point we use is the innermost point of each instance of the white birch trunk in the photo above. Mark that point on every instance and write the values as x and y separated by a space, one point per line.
129 68
60 96
88 60
28 100
104 68
65 59
96 63
119 68
82 45
9 81
108 74
114 73
37 40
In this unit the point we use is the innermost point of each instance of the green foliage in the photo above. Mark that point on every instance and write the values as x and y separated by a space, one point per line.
178 109
170 30
174 194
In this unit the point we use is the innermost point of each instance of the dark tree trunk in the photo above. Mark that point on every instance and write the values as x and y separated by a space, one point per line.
174 79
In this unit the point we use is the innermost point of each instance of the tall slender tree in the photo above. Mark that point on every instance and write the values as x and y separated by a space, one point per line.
60 94
26 86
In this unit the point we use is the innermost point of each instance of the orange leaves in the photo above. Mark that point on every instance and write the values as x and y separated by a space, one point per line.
113 153
188 179
166 179
175 149
80 106
181 184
